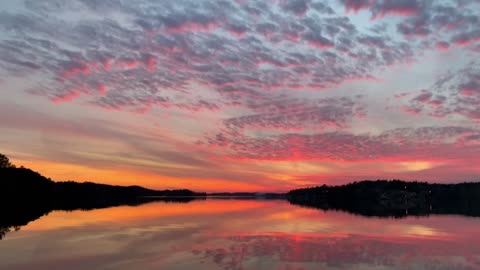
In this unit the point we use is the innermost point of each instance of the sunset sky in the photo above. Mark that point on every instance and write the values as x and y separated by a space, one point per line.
241 95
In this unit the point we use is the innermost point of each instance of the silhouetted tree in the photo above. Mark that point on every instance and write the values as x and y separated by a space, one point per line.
5 162
3 232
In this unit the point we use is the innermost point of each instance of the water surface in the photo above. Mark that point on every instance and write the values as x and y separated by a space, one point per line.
239 234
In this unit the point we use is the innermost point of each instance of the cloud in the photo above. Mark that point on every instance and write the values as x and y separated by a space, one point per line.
317 40
442 45
381 8
403 144
454 93
452 21
396 7
298 7
291 114
66 97
356 5
471 87
164 52
467 38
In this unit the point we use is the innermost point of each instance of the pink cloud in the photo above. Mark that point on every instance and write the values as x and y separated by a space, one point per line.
411 110
76 69
127 63
467 38
66 97
398 145
102 89
381 8
107 64
150 62
239 34
442 46
356 5
467 92
320 44
471 88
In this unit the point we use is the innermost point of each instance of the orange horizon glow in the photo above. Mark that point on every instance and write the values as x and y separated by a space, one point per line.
68 172
280 171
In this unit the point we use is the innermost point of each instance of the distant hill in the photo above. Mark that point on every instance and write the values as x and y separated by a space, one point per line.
392 198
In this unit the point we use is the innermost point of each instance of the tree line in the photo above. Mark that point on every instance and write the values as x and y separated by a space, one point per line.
392 198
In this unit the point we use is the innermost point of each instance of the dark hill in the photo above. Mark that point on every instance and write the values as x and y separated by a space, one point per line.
21 184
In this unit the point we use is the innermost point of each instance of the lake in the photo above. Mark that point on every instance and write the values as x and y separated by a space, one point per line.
239 234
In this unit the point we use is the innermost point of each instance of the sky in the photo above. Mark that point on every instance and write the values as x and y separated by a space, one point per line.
241 95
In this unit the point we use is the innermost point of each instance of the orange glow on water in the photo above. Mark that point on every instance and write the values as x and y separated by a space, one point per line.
210 234
125 214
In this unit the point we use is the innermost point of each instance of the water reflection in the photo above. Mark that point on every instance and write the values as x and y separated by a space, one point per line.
346 252
21 213
239 234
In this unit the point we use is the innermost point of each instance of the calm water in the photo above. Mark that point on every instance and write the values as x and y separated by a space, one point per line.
239 234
